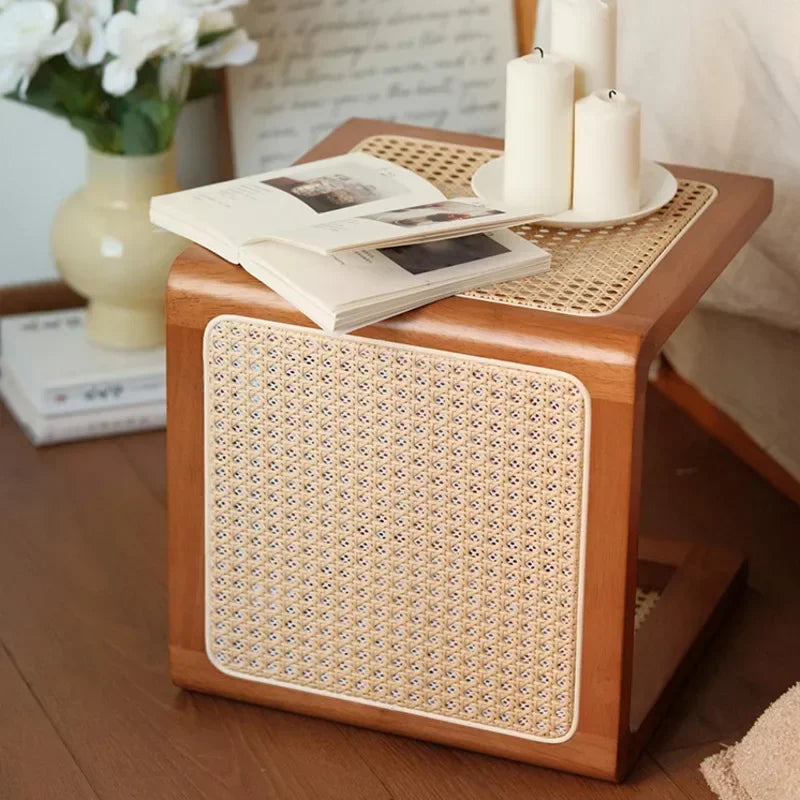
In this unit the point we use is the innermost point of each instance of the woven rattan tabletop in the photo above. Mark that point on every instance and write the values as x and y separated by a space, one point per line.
640 278
633 283
592 271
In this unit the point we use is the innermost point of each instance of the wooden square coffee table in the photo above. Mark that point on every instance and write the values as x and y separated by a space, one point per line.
431 527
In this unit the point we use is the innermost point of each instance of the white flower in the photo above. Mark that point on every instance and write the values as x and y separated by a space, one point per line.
216 21
234 49
28 36
90 45
174 78
158 28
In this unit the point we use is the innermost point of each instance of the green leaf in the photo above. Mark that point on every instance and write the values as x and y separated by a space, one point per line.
75 95
139 137
139 123
209 38
101 135
163 116
41 93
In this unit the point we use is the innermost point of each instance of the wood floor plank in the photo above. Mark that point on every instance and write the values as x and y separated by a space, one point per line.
82 604
34 763
683 768
423 771
146 453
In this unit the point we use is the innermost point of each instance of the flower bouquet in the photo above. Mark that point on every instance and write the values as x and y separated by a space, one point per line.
119 71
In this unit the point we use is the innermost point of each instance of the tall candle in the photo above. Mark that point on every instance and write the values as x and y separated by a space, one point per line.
607 155
585 32
539 116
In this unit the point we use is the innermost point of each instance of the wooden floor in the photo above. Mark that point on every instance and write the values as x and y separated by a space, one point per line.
87 709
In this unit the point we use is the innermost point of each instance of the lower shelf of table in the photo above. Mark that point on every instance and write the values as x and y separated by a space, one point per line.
695 585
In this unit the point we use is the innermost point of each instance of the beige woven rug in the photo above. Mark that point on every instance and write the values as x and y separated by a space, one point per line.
765 765
593 272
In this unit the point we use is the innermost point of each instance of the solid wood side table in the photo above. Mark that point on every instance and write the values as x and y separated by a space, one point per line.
622 681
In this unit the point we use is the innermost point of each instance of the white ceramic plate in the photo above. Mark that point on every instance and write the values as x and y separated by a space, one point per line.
658 188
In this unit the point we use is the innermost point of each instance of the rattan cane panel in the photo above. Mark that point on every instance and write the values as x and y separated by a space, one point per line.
395 526
644 604
592 271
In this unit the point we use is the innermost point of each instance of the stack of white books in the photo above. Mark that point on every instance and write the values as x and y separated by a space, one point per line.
60 387
354 239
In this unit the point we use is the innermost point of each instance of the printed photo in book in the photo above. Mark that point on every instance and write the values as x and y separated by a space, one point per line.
331 191
431 213
419 258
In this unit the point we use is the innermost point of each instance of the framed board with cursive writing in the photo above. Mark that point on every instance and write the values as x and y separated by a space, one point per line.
438 64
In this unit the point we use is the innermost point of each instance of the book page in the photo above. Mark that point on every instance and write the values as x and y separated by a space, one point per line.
356 279
457 216
224 216
439 64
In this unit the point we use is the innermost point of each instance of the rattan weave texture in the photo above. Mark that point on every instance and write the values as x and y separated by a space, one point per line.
646 600
395 525
593 271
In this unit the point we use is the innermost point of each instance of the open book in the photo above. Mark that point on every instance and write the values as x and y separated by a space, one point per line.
347 202
353 239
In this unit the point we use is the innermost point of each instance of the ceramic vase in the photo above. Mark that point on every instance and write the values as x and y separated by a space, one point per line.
108 251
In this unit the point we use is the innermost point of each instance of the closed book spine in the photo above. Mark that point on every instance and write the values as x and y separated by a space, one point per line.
53 430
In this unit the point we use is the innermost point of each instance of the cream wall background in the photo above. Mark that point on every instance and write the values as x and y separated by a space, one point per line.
44 160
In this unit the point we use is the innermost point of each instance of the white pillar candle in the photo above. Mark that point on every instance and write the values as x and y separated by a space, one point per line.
539 116
585 32
607 155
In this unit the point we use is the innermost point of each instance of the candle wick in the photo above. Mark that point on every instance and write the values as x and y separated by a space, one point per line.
612 93
539 51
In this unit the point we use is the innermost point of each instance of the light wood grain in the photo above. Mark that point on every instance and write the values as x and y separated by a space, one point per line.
526 22
40 296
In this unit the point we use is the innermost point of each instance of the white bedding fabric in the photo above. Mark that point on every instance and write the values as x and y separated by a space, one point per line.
749 370
719 84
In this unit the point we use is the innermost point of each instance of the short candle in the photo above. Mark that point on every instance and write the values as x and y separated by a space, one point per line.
607 155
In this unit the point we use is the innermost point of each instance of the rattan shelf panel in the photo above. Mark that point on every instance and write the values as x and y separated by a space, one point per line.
395 525
593 271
